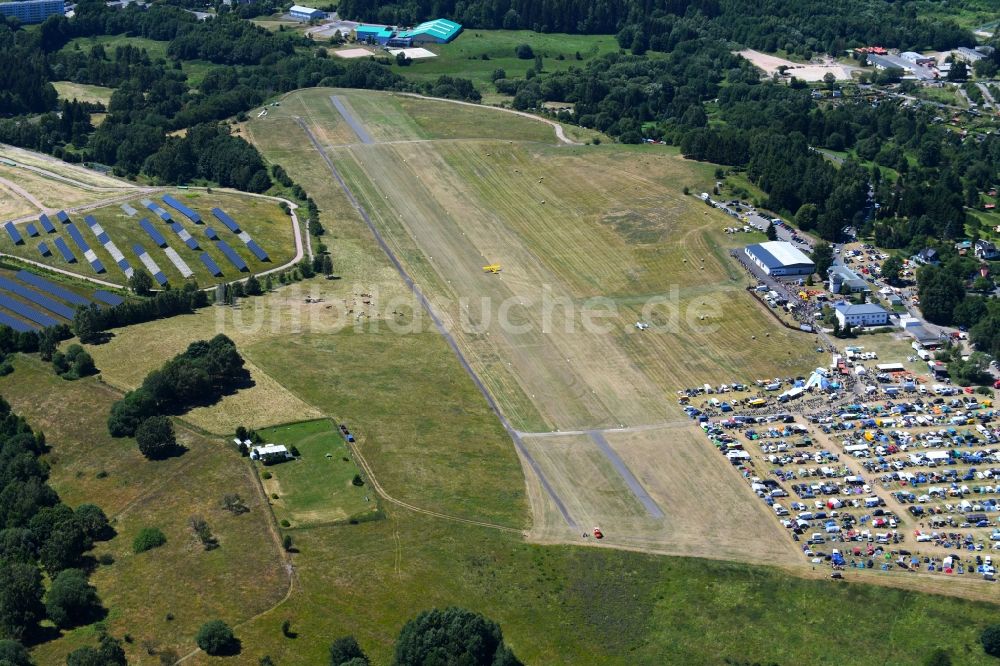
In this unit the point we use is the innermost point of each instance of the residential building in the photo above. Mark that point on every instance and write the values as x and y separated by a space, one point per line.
32 11
868 314
984 249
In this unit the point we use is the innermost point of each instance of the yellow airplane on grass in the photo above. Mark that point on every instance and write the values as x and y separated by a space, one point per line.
492 268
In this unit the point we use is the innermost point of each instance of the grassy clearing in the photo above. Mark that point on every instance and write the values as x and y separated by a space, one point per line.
261 218
83 92
464 57
50 192
13 205
559 604
316 488
426 431
194 69
75 172
139 590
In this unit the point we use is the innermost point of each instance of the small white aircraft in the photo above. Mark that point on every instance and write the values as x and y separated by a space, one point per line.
641 325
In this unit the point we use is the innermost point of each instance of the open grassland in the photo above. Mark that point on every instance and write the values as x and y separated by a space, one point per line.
316 488
418 419
572 605
13 204
83 92
84 177
261 218
240 578
569 226
51 193
694 486
476 54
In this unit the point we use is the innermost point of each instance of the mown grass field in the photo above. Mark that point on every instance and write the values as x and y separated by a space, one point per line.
84 178
181 578
316 488
464 57
83 92
261 218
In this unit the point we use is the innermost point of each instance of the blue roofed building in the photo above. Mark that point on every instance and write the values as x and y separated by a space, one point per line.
374 34
32 11
306 13
778 259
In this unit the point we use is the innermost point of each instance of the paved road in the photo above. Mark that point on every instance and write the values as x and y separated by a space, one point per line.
440 326
633 483
351 120
988 95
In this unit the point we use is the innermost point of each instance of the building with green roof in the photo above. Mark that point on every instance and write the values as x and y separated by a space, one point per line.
438 31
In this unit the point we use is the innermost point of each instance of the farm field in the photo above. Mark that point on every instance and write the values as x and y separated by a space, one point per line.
316 488
261 218
140 590
83 92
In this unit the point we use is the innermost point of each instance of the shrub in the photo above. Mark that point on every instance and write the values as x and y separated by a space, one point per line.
215 638
106 559
346 650
990 638
285 523
266 475
524 52
357 480
148 538
286 542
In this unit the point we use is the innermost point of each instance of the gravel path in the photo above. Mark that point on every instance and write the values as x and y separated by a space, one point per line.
633 483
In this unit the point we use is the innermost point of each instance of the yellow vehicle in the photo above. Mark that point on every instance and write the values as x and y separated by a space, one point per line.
492 268
757 402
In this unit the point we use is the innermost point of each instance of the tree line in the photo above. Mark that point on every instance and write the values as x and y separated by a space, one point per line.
39 533
202 374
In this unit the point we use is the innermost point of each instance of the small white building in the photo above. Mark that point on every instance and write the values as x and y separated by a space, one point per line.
868 314
270 453
306 13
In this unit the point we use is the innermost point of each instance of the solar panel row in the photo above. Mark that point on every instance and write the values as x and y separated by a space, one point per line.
15 324
128 210
62 216
213 267
54 289
176 260
157 237
226 220
64 250
31 229
187 212
210 232
97 265
44 249
14 234
46 223
159 210
36 298
257 250
22 310
150 265
184 235
77 237
108 297
235 259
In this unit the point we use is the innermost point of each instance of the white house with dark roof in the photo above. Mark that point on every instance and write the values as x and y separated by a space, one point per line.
868 314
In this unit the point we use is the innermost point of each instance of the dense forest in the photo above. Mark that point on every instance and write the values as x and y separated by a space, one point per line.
769 24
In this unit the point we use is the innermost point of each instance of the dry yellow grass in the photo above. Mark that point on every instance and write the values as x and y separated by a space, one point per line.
13 205
72 171
51 192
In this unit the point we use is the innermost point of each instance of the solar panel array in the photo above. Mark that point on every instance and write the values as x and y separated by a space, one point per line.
150 265
128 210
64 250
251 244
26 312
187 212
89 254
14 234
210 232
226 220
213 267
154 234
54 289
15 324
34 297
108 297
235 259
109 245
159 210
176 260
44 249
185 236
31 229
46 223
62 216
257 250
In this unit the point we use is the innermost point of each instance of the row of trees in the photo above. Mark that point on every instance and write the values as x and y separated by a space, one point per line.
38 532
200 375
89 323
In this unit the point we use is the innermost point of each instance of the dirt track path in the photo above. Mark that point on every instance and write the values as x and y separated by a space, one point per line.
21 192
